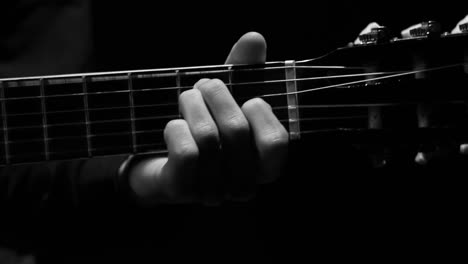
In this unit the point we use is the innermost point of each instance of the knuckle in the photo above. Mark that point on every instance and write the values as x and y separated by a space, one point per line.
253 104
237 125
212 87
217 82
174 125
187 98
206 132
200 82
186 152
185 149
187 95
275 140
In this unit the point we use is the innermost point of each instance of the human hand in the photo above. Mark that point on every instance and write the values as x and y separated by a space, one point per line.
218 150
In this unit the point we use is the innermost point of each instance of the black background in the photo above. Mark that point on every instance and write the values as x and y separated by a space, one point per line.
147 34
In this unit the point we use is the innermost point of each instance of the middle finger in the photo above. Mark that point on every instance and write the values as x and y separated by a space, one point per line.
235 137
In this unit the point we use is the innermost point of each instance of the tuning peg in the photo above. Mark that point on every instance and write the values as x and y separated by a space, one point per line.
376 35
429 28
461 27
424 29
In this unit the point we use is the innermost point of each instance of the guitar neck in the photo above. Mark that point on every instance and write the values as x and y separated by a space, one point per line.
399 84
84 115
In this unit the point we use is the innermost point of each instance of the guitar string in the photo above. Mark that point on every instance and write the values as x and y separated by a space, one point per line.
123 75
129 133
85 136
83 153
313 119
268 95
367 80
391 75
191 86
176 116
122 107
176 104
304 119
309 90
124 120
161 150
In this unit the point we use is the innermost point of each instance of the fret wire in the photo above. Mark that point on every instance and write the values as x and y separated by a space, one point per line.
292 101
229 85
87 117
132 111
44 119
178 84
5 124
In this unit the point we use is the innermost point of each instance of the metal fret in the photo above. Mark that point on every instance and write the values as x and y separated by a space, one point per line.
132 112
78 108
44 120
87 119
5 125
230 80
293 110
178 85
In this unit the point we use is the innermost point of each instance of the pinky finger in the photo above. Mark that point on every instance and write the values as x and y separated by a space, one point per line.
271 139
169 179
178 175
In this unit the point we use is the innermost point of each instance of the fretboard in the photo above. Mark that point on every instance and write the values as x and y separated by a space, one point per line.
98 114
84 115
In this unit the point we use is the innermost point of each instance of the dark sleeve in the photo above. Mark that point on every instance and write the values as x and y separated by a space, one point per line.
65 184
45 38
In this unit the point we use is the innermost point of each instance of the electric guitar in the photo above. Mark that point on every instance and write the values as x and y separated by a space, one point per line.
379 92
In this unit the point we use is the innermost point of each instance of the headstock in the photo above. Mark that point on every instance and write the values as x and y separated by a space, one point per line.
414 88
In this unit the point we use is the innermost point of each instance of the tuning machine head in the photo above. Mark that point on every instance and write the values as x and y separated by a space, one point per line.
463 28
424 29
377 35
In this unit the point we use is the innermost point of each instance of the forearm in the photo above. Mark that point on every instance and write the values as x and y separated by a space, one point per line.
78 183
